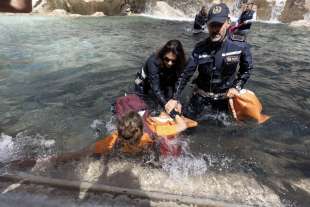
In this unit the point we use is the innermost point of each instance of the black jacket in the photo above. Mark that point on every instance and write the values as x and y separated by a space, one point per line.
217 64
200 21
246 15
158 78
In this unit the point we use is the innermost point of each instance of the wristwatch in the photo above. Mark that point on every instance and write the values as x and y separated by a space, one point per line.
238 88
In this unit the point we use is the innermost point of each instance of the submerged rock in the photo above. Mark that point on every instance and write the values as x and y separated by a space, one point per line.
300 23
96 14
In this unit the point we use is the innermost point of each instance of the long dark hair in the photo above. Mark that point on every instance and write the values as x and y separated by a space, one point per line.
176 47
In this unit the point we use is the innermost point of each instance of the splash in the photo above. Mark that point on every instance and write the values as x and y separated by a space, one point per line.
180 168
99 127
24 145
110 125
6 147
162 10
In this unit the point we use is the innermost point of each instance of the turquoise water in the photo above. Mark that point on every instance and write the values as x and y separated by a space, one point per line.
59 76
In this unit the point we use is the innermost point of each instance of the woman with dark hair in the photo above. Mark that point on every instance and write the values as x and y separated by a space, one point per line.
157 79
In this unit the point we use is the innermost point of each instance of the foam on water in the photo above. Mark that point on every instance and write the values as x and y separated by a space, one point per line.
110 125
24 145
6 147
180 168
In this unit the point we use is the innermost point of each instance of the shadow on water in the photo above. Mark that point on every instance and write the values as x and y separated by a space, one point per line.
89 172
60 75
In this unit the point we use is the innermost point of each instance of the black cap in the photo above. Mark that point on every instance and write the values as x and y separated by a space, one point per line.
218 13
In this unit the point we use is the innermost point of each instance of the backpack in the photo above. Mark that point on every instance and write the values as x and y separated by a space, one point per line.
125 104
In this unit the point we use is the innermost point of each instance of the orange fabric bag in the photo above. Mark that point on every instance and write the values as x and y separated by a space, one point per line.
246 105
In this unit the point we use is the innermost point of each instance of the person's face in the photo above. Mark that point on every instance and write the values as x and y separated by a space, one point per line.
169 59
217 31
249 7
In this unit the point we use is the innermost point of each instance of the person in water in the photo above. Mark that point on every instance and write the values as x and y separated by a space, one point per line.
125 8
16 6
130 138
156 82
217 59
200 22
247 17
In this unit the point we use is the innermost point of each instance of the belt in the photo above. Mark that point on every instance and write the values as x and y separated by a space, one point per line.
214 96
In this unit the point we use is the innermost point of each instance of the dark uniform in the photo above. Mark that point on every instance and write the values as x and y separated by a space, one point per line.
217 63
200 21
156 80
245 16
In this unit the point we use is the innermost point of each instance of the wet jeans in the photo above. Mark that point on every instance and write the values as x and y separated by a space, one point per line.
198 105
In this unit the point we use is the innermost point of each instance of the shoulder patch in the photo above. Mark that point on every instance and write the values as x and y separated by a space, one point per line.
237 37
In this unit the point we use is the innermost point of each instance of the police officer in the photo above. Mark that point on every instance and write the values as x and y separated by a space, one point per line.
247 17
156 81
200 20
217 59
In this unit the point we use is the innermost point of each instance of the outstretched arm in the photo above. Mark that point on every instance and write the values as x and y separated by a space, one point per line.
185 76
74 155
16 6
70 156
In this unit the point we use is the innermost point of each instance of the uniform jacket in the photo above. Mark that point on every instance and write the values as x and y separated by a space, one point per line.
157 77
200 21
246 18
220 65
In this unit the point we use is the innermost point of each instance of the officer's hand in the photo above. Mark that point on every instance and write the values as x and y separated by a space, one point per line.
232 92
170 105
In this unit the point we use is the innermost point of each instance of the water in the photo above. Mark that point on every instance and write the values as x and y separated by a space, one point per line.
59 76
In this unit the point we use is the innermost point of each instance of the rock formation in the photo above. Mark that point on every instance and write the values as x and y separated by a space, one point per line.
285 11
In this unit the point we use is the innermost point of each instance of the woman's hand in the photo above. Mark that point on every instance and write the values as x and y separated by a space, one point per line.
170 105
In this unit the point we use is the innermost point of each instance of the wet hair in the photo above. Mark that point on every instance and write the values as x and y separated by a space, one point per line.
175 47
130 127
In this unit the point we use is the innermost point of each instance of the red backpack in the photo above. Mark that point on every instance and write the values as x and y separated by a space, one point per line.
125 104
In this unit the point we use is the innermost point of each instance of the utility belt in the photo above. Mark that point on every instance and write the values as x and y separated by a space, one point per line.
211 95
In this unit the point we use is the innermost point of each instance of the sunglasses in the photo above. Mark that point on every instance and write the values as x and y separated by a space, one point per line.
166 59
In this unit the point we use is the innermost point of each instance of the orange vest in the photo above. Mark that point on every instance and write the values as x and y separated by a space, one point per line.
160 127
106 144
166 127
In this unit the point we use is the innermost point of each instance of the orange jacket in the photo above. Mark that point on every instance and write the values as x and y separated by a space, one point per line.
160 127
106 144
166 127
